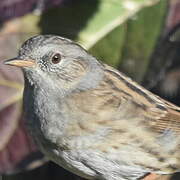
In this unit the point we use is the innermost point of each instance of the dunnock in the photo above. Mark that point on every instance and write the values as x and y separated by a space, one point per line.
91 119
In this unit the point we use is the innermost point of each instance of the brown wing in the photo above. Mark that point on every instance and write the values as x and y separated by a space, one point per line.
131 122
170 120
157 113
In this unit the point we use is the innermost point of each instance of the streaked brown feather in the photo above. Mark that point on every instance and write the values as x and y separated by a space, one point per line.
135 118
163 114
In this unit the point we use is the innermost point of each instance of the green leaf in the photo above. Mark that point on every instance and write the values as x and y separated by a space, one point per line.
130 45
110 14
141 37
109 48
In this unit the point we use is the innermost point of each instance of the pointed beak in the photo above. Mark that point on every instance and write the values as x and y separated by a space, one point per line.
20 62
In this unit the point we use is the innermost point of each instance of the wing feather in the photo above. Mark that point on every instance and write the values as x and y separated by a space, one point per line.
158 113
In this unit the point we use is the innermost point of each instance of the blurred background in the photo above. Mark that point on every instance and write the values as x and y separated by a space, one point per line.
139 37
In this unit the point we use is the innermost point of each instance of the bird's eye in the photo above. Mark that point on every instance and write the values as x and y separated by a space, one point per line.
56 58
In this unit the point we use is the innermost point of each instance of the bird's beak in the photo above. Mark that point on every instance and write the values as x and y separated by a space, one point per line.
20 62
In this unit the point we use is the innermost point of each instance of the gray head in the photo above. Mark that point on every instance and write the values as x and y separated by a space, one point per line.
53 60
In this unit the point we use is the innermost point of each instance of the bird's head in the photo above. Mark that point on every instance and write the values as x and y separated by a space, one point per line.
53 60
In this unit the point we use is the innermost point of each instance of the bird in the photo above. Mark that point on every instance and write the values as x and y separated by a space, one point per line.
90 118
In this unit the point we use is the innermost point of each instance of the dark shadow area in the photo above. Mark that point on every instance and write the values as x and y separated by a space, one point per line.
163 76
16 8
176 176
32 161
56 173
68 20
47 171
